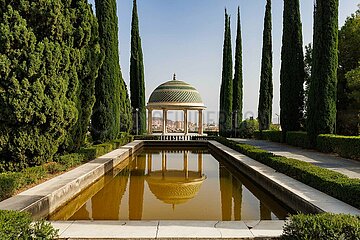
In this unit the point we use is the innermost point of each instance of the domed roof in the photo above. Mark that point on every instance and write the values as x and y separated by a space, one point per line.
175 93
172 187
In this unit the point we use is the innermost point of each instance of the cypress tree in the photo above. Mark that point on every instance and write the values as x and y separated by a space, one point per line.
322 92
238 78
137 84
110 111
226 83
40 51
266 85
88 37
292 72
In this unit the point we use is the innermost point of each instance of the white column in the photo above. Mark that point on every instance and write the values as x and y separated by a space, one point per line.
149 121
200 127
185 122
164 121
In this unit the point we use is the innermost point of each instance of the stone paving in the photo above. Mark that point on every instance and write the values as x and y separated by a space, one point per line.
169 229
349 167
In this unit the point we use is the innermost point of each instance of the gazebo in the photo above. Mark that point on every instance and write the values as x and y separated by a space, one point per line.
179 96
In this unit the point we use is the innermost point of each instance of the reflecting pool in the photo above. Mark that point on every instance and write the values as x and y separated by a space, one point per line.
163 184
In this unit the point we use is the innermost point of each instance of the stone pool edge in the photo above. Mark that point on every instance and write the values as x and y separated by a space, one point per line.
169 229
46 197
293 193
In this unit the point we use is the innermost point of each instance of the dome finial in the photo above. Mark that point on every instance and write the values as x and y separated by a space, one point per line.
174 77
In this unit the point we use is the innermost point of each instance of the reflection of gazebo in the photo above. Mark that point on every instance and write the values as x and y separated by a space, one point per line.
175 186
175 95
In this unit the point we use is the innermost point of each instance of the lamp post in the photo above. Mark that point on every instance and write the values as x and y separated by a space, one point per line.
137 120
278 118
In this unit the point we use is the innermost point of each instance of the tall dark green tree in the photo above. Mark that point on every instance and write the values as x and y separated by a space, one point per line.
292 72
226 91
137 84
266 85
91 61
349 58
41 47
322 92
110 112
238 78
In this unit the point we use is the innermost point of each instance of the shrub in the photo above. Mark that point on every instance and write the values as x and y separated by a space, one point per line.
54 167
247 128
33 174
345 146
322 226
70 160
298 139
270 135
8 184
18 225
333 183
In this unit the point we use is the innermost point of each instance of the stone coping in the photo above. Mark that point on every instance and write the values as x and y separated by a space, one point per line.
293 193
169 229
46 197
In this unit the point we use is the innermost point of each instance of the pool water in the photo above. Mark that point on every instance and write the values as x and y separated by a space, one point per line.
163 184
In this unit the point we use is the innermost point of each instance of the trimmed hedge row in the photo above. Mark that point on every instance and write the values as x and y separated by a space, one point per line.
298 139
332 183
12 181
18 225
270 135
345 146
322 226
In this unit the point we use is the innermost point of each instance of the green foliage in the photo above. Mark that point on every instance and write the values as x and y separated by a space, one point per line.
137 83
271 135
322 93
307 79
111 111
39 78
91 60
292 72
299 139
9 183
332 183
18 225
266 85
247 128
237 105
348 77
322 226
226 89
345 146
71 160
12 181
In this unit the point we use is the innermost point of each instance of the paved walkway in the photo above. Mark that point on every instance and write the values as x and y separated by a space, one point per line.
349 167
169 229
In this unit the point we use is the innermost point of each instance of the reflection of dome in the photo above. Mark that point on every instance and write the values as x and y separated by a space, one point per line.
177 93
172 186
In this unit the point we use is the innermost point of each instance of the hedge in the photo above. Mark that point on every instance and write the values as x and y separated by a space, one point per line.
12 181
298 139
345 146
270 135
322 226
330 182
18 225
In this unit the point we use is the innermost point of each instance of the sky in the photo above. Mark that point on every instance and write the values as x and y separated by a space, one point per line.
186 37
